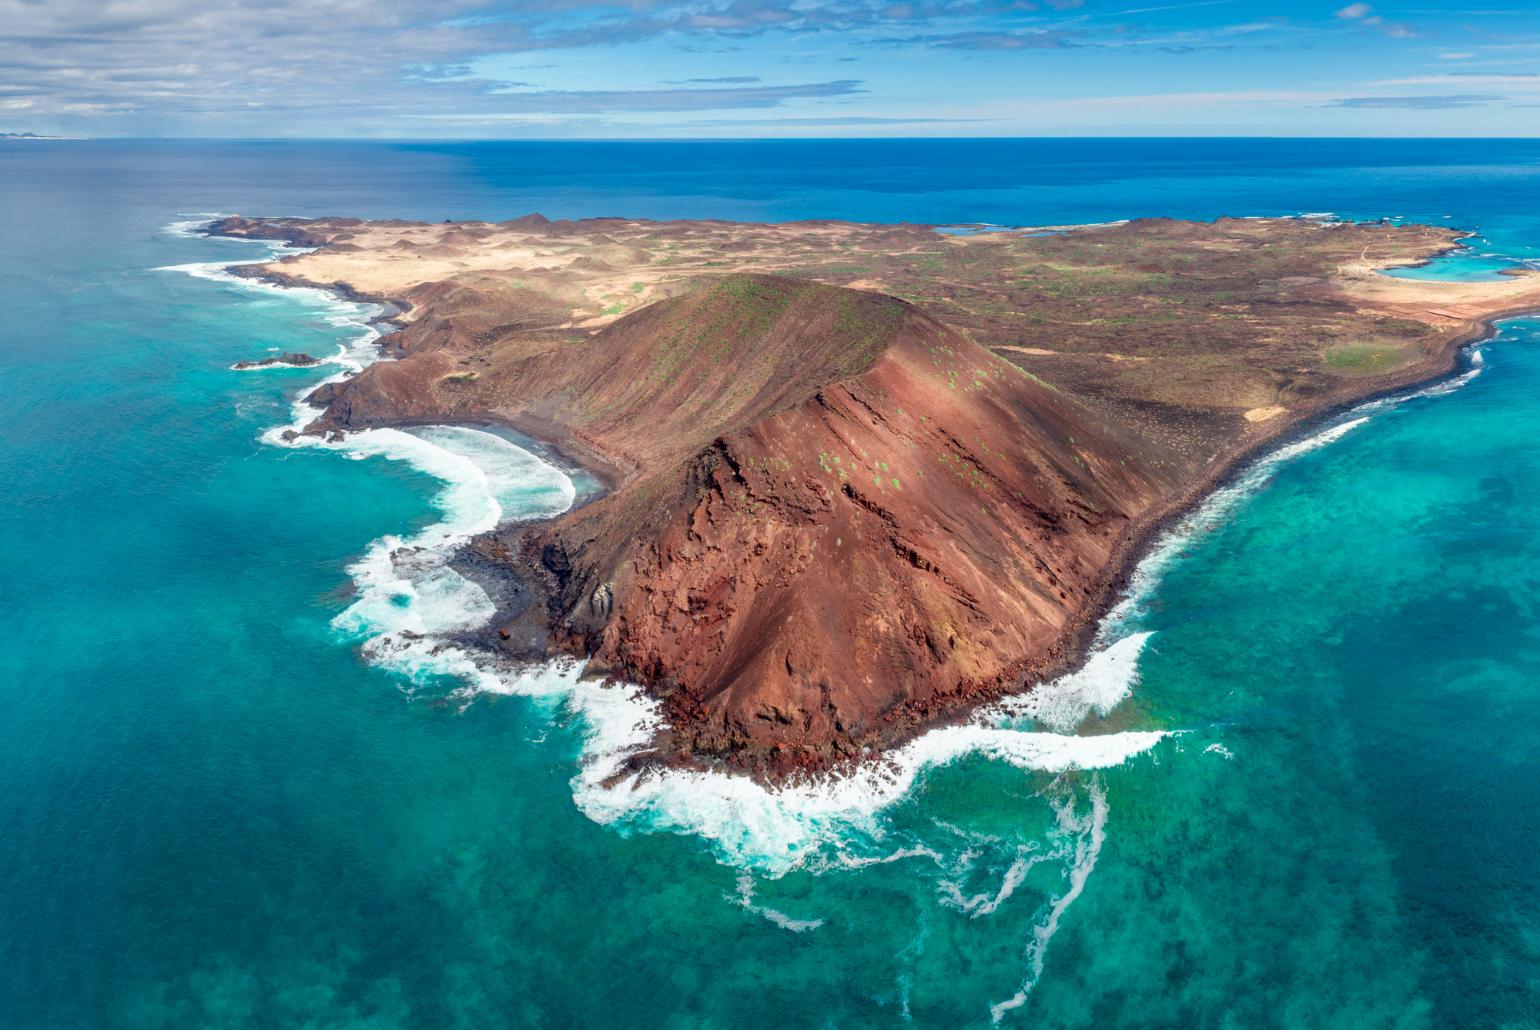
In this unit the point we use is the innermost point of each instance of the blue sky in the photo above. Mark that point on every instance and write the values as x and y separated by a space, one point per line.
662 68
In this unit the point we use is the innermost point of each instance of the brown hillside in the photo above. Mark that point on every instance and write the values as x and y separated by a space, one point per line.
838 516
905 522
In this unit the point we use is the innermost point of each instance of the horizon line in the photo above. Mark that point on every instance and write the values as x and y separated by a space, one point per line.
45 138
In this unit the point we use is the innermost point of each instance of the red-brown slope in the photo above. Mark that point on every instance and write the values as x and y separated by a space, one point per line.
836 518
821 575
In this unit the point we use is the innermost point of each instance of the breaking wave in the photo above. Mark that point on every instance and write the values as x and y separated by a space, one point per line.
1120 622
353 353
1108 676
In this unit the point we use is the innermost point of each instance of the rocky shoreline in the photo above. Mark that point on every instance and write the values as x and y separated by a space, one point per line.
1142 538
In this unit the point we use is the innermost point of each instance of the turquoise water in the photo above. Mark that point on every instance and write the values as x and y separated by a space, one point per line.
1303 799
1472 263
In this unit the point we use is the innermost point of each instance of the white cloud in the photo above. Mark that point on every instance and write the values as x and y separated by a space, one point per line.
1364 15
1167 100
1465 79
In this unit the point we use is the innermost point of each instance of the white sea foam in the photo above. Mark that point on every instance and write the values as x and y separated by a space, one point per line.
1477 366
1089 832
353 354
1108 676
1206 516
776 829
411 604
745 899
1218 506
191 226
977 905
410 600
845 860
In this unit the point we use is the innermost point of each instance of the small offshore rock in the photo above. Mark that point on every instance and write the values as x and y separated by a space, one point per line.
293 360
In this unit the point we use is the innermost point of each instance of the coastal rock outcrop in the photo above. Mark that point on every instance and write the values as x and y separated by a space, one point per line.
286 358
286 231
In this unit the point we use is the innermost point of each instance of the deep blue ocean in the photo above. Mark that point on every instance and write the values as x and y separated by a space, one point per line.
1295 788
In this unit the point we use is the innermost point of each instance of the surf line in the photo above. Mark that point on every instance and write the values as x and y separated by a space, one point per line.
1116 632
1219 505
409 599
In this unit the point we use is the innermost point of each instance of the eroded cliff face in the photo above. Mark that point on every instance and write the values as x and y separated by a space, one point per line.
837 518
899 544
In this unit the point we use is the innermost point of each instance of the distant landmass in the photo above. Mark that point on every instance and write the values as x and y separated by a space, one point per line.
31 135
863 478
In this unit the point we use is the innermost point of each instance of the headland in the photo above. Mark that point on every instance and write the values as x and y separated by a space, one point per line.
863 478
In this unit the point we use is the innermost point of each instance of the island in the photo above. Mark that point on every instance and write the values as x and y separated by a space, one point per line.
861 479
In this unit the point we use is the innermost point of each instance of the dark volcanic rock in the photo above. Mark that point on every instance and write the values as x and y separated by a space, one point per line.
288 231
293 360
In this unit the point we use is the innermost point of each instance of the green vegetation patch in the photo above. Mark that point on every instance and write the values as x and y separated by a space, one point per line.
1364 358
